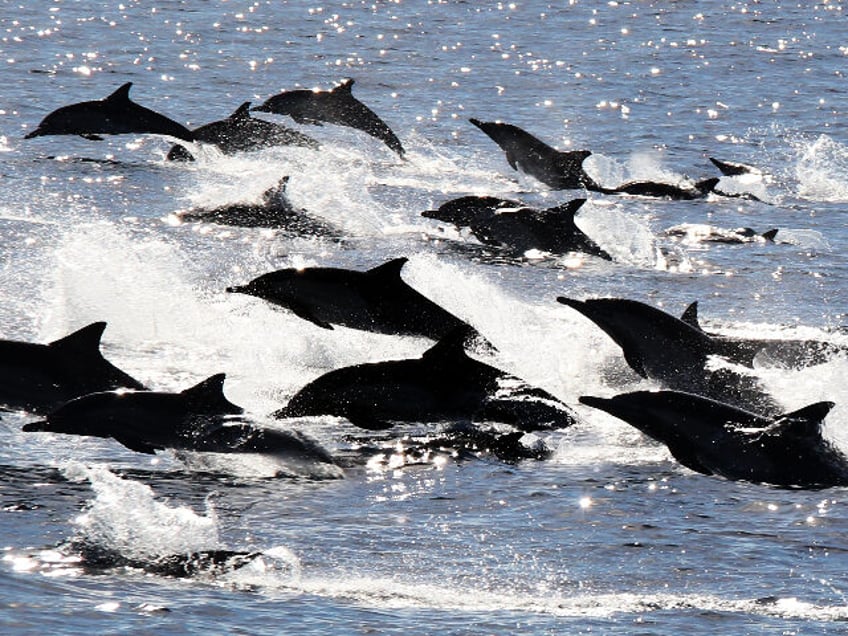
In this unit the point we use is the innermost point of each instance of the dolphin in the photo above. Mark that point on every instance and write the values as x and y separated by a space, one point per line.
99 559
509 225
199 419
713 438
789 353
443 385
40 377
337 106
711 234
240 132
117 114
375 300
661 347
273 211
564 170
734 169
556 169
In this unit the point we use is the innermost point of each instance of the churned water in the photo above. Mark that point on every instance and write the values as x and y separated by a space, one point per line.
610 535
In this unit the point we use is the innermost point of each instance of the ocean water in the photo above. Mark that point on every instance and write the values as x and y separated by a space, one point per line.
608 536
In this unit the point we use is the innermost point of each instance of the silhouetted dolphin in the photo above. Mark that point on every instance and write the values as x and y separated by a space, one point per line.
117 114
375 300
96 558
443 385
711 234
718 439
664 348
198 419
564 170
790 353
40 377
509 225
658 189
274 211
733 169
240 132
337 106
556 169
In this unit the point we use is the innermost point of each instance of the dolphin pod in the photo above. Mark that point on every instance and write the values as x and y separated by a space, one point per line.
713 438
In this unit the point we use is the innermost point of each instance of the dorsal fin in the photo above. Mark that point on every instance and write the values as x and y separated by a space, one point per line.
769 236
805 422
451 348
85 341
208 396
690 316
122 94
569 208
276 190
707 185
388 271
242 112
345 87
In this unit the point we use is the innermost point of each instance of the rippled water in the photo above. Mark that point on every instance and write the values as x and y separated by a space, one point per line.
608 536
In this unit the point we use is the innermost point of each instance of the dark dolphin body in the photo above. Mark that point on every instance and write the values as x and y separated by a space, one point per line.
199 419
664 348
556 169
337 106
517 229
792 354
718 439
98 559
41 377
274 211
444 385
240 132
376 300
564 170
117 114
710 234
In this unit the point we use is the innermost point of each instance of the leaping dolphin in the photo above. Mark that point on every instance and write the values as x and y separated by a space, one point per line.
240 132
713 438
337 106
668 350
199 419
375 300
556 169
509 225
443 385
41 377
273 211
116 114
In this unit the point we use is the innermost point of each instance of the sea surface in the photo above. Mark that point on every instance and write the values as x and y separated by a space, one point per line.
610 535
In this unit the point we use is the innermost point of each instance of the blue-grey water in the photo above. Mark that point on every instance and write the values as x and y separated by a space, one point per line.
608 536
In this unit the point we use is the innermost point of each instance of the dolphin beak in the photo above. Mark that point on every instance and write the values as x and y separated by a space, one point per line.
238 289
33 133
